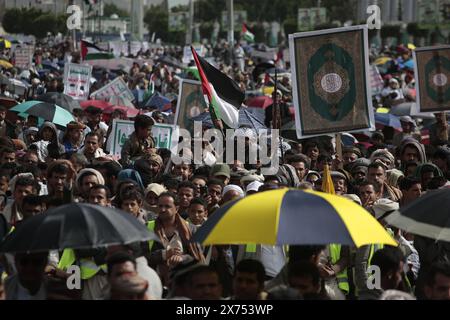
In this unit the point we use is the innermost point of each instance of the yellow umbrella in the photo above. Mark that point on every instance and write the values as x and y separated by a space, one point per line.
411 46
289 216
383 110
5 64
5 44
268 91
382 60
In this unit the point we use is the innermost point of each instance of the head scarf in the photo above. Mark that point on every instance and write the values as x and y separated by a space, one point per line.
254 186
130 174
96 173
12 182
393 177
383 154
155 188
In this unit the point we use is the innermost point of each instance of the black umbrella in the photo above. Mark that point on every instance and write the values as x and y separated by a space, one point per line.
428 216
60 99
76 226
246 119
261 68
170 61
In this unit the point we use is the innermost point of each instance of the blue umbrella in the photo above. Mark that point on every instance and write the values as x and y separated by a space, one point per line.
47 111
409 64
157 100
246 119
388 120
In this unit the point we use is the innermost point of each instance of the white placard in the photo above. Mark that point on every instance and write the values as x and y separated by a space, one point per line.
117 87
77 80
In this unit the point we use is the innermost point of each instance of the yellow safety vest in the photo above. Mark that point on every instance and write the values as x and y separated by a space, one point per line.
88 268
151 227
342 277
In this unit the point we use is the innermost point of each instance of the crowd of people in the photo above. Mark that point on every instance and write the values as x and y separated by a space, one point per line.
44 166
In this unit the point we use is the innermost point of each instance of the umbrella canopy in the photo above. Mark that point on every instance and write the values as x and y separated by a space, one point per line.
50 65
157 100
388 120
8 102
121 101
288 216
259 102
419 217
382 60
5 44
5 64
246 119
76 226
260 69
47 111
101 104
60 99
409 64
170 61
129 112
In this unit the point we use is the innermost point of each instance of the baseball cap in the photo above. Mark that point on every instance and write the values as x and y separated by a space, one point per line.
221 170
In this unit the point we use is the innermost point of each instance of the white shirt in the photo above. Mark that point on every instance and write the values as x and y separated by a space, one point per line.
273 259
24 294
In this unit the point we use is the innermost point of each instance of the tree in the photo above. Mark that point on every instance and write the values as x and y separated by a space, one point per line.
110 9
156 19
34 22
11 21
43 24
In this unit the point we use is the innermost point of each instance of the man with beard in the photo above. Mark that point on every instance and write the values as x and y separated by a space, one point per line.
376 174
94 123
149 167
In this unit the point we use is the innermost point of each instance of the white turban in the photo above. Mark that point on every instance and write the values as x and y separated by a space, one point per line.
233 187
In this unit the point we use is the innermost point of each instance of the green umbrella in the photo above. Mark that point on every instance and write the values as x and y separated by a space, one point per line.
47 111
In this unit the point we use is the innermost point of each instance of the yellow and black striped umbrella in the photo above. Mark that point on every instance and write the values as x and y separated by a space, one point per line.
288 216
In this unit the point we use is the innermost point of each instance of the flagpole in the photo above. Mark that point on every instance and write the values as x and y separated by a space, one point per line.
276 116
231 27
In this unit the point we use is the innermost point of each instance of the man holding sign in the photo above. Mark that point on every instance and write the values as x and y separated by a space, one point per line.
140 142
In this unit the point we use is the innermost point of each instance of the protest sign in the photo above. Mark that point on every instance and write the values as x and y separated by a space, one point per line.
187 53
432 72
331 85
121 131
166 136
117 87
191 103
77 80
23 56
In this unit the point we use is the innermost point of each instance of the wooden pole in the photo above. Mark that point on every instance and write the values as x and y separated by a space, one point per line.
339 150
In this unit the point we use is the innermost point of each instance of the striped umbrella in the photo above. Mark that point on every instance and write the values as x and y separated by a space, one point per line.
47 111
288 216
427 216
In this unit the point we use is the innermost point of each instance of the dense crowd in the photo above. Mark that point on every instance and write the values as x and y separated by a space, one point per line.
43 166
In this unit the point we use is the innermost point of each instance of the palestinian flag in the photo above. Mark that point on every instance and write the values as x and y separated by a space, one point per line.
223 94
90 51
248 36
